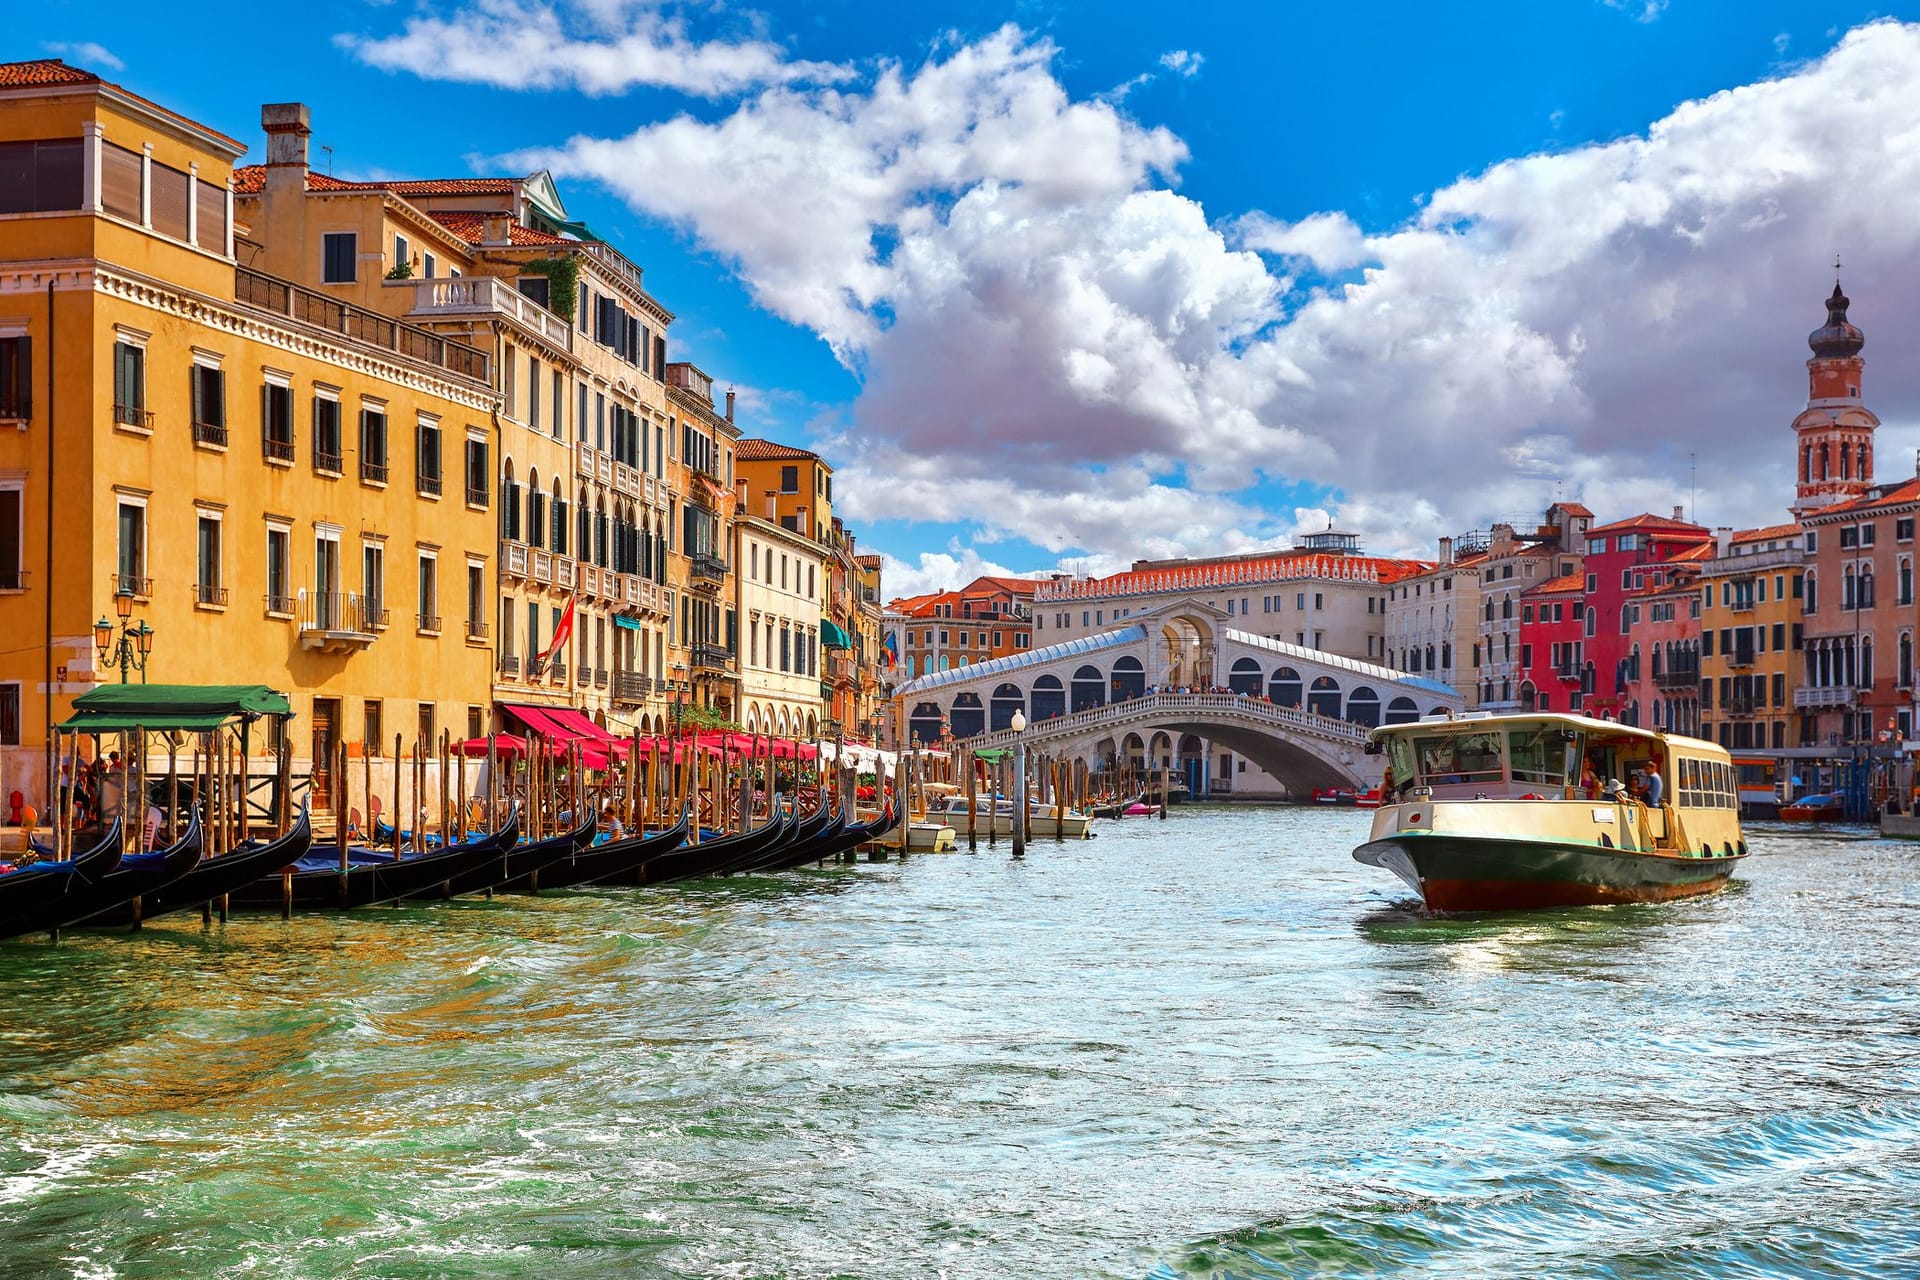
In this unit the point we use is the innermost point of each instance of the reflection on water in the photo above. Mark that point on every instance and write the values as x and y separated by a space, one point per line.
1209 1047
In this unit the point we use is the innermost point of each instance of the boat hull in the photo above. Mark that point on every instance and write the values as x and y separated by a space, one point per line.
1455 873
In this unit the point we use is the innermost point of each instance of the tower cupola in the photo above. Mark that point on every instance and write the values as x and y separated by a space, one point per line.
1834 433
1836 339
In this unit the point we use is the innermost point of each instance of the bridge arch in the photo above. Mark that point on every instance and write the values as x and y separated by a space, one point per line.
1189 642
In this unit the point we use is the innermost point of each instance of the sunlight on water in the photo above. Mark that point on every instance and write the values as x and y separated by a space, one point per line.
1211 1047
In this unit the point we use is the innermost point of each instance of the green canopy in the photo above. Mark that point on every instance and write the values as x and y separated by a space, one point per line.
116 708
833 635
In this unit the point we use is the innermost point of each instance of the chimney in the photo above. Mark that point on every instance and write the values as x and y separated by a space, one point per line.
773 504
1679 511
1916 462
497 229
1722 542
1446 551
287 133
729 404
741 506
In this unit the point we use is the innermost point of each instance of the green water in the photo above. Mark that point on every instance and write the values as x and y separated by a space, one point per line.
1213 1047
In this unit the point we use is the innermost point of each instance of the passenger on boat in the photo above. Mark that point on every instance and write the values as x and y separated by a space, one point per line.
1656 789
1590 780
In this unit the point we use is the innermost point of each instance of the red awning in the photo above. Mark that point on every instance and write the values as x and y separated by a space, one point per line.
564 726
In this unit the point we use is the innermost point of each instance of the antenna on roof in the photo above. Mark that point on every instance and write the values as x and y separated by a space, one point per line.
1693 481
329 150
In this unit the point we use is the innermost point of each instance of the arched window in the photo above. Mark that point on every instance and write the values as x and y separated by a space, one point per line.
924 723
1866 662
1007 699
1402 711
1363 707
1049 699
1323 699
1906 659
1527 694
1446 657
968 717
1129 679
1245 677
1866 586
1089 688
1506 606
1285 688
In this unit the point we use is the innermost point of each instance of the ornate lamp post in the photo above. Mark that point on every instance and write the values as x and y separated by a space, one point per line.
1019 726
129 651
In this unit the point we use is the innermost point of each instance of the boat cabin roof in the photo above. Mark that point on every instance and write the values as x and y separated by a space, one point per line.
1482 722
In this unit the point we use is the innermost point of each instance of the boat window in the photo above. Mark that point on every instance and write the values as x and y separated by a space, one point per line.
1689 782
1544 755
1459 757
1400 758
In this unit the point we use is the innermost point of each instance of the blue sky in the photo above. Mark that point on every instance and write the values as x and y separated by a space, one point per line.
1070 284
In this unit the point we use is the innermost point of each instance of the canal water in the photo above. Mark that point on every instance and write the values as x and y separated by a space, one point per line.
1211 1047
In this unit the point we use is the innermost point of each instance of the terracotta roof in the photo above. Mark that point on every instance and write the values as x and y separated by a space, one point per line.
1016 585
1572 582
751 449
1699 551
1647 520
472 227
1215 575
450 186
1898 494
42 71
1767 534
251 179
1574 509
867 561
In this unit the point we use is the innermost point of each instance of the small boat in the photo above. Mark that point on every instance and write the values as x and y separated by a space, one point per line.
519 866
693 861
609 858
1827 806
1140 809
138 874
997 819
1118 808
1368 799
214 877
1491 816
29 894
1334 795
316 882
851 836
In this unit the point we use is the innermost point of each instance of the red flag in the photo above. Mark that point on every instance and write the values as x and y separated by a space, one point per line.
562 632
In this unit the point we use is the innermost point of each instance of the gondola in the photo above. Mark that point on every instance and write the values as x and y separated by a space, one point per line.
695 860
137 875
1117 808
29 894
215 877
517 868
814 831
850 837
316 883
610 859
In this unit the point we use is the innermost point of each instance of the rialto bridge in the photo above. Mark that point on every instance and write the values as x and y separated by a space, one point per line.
1172 688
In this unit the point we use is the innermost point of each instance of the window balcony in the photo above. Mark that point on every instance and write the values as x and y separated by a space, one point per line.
13 578
373 472
281 606
427 486
476 495
630 686
513 558
712 657
476 629
509 666
447 298
1677 677
337 621
709 566
211 434
276 449
599 677
428 623
328 464
140 587
132 415
208 596
1817 699
282 297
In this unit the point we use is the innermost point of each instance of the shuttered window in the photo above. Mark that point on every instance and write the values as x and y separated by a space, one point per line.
171 191
40 177
16 377
210 231
120 181
341 250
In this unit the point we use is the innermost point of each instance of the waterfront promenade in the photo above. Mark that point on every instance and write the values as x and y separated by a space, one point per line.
1208 1047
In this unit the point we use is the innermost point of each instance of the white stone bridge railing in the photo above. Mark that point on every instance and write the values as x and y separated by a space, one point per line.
1186 708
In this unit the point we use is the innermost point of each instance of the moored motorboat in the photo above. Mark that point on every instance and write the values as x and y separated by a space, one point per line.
1496 813
1824 807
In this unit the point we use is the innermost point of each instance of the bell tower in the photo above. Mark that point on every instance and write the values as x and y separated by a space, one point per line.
1834 434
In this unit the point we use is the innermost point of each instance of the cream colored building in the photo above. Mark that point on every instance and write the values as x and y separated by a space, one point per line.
780 597
1433 620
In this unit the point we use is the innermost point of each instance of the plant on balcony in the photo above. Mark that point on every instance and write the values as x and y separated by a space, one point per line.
401 271
563 280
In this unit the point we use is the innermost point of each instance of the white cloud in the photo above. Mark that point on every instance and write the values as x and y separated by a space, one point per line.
936 571
595 46
1183 62
1642 10
86 54
1057 346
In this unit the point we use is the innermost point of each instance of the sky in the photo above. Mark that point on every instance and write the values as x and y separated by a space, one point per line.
1061 286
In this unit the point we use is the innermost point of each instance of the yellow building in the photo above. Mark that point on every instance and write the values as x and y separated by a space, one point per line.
1750 624
703 627
779 583
582 438
792 487
263 474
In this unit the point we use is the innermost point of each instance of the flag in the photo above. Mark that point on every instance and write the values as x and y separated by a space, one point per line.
893 652
562 632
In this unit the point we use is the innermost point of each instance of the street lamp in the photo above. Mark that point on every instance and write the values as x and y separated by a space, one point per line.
134 643
1019 726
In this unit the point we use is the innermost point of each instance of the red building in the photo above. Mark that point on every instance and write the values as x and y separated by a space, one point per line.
1551 645
1623 559
1663 646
